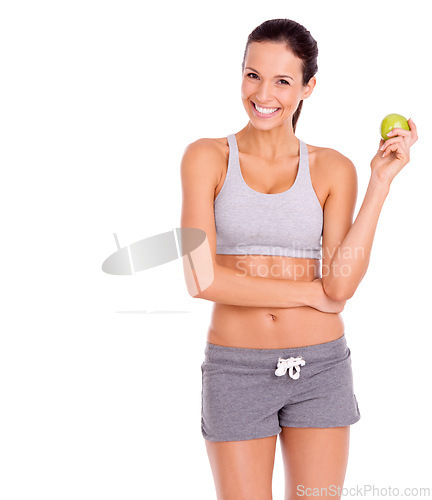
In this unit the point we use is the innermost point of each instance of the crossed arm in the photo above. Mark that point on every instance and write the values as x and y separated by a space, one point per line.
346 246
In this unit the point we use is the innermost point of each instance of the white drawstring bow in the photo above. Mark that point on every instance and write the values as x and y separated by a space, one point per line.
290 364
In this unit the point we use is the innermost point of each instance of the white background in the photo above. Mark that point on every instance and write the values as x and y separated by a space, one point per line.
98 102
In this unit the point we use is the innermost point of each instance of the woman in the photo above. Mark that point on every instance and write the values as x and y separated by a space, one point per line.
276 357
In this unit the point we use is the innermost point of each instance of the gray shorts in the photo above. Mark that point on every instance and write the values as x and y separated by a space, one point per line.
251 393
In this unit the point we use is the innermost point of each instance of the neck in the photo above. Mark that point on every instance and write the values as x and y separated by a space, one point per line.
270 144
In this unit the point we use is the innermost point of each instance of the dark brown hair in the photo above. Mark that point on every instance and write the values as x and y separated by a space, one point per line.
297 39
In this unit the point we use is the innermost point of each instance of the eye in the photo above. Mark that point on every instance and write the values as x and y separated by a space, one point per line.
252 75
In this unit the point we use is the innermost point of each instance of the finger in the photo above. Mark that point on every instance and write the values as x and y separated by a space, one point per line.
411 124
397 147
395 143
388 142
399 132
413 128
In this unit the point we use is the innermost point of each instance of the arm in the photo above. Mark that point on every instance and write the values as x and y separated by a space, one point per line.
229 287
200 173
348 246
345 264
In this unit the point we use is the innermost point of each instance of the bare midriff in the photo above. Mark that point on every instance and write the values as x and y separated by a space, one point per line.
272 327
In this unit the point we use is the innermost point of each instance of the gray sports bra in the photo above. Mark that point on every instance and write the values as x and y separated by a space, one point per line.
249 222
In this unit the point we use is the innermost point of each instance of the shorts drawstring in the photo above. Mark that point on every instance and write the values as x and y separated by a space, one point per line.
290 364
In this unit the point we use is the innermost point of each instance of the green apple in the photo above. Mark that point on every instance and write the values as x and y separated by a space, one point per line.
392 121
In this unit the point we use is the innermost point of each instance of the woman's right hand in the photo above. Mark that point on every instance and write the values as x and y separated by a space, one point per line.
323 302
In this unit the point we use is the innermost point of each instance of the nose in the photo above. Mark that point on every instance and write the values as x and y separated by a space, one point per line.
264 94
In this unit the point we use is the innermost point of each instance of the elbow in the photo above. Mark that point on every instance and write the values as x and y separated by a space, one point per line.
340 295
197 294
200 289
337 293
205 294
344 296
194 293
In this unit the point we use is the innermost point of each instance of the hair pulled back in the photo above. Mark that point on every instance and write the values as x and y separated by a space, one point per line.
297 39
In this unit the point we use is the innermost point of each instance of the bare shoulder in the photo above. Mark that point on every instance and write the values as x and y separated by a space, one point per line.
334 166
331 159
206 157
207 147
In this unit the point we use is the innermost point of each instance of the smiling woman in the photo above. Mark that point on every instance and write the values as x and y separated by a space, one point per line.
265 111
294 51
272 208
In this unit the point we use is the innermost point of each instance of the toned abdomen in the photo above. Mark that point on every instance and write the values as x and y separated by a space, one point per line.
268 327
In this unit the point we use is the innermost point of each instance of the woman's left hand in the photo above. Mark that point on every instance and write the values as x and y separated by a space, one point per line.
393 154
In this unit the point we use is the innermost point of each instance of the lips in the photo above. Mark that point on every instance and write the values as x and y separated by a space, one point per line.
265 107
262 115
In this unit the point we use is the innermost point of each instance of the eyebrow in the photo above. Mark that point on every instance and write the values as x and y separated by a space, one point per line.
276 76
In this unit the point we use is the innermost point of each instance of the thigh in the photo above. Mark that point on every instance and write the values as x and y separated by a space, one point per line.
314 458
243 470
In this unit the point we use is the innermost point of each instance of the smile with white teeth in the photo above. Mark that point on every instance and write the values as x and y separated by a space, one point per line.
265 111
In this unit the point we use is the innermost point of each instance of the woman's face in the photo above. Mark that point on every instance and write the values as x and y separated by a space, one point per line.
272 78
